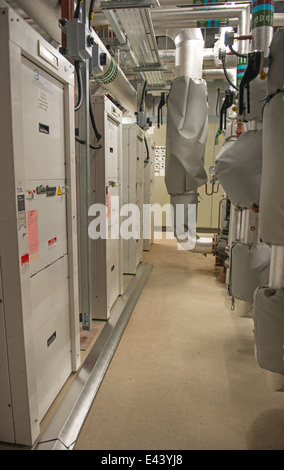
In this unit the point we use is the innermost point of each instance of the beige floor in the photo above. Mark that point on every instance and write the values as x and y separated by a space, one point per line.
184 375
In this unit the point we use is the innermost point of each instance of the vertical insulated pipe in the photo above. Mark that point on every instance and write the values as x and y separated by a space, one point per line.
262 34
189 53
243 46
262 24
275 382
189 62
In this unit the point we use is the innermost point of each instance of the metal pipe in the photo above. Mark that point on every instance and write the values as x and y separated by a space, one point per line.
275 382
203 245
249 227
276 274
219 73
162 27
208 54
262 25
210 59
176 3
181 23
189 53
243 46
162 16
234 226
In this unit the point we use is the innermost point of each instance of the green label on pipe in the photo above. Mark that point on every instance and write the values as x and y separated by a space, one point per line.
212 23
241 68
206 2
262 13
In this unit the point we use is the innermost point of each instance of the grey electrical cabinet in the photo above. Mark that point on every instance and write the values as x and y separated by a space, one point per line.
133 194
149 194
39 311
106 277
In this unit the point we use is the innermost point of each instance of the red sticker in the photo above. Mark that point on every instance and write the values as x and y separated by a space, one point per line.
25 259
52 241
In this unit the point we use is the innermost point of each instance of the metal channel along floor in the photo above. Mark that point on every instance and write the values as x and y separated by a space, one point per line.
64 427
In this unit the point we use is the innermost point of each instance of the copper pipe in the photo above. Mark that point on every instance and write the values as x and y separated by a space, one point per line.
212 192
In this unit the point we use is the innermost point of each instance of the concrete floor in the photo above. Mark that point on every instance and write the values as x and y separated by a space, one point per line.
184 376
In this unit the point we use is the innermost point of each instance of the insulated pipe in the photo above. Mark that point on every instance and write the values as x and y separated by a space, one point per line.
249 226
188 63
113 80
262 33
276 274
210 60
243 46
249 232
203 245
182 23
189 53
262 25
175 3
160 27
219 73
47 18
275 381
117 85
44 15
163 15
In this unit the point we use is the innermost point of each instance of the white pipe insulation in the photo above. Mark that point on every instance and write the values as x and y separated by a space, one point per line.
47 17
187 126
120 88
189 53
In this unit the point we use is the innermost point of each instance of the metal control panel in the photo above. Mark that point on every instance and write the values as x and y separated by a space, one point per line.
106 279
133 191
39 322
149 192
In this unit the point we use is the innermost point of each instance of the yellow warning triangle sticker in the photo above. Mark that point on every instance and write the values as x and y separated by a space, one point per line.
59 193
